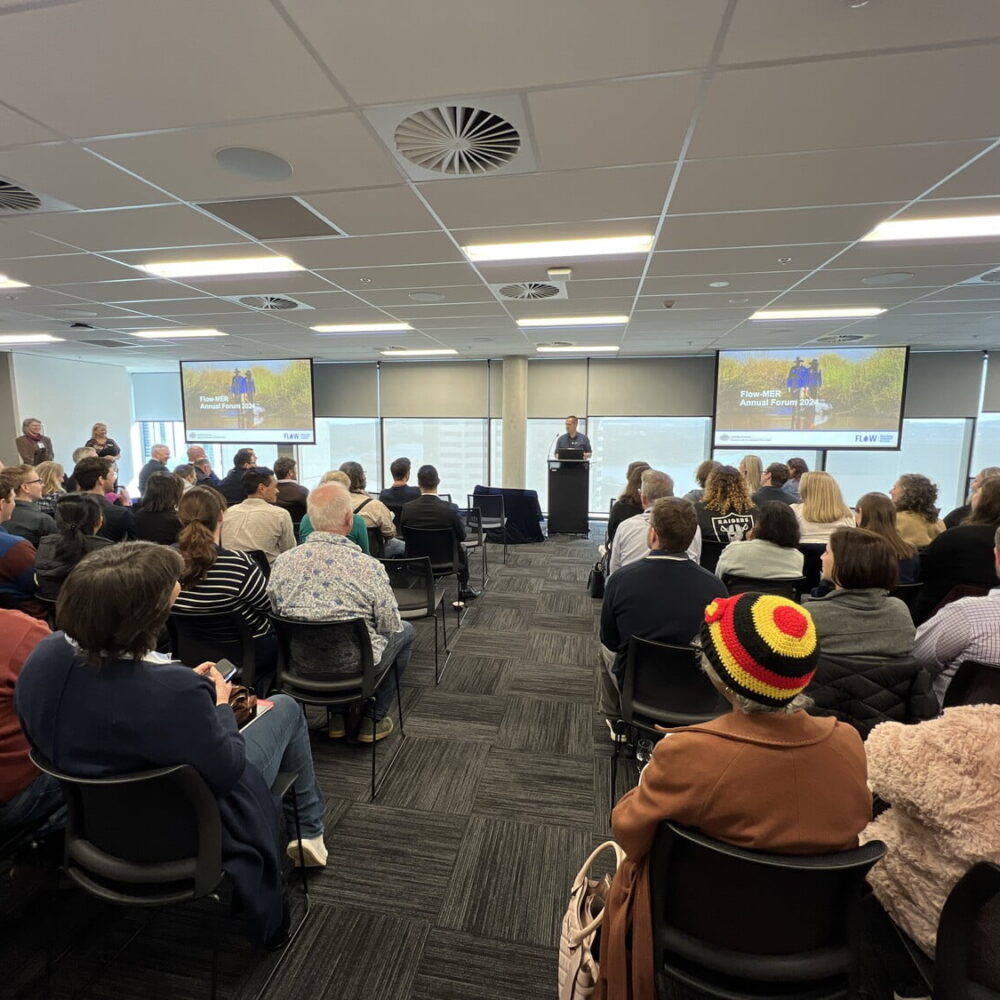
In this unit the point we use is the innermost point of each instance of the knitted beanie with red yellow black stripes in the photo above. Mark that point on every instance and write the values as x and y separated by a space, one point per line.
762 646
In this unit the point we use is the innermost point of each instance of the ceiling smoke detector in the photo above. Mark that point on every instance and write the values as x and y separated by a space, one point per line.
14 198
840 338
457 140
531 291
269 303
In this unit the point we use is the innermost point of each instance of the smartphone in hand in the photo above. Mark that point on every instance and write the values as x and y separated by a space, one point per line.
226 668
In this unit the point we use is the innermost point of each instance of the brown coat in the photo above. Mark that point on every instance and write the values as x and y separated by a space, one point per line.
790 784
32 453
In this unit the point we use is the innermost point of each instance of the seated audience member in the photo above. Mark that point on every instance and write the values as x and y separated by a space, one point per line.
359 530
26 795
374 513
79 454
97 476
766 776
962 557
104 446
78 521
400 492
232 486
156 516
52 476
773 480
329 579
661 596
101 667
968 629
291 495
186 472
797 468
876 512
216 581
701 477
257 524
942 784
858 617
629 502
17 556
33 447
159 455
752 470
822 509
959 514
631 540
771 552
430 511
725 513
202 467
28 519
917 519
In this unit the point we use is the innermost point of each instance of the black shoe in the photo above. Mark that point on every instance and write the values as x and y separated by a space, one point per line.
468 594
279 938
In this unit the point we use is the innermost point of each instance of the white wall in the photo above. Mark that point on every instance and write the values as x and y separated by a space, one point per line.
69 397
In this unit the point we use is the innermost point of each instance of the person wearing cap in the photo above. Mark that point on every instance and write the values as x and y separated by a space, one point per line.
766 776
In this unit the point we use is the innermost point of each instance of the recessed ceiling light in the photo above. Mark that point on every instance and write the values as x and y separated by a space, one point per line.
426 296
577 349
850 313
739 301
718 284
84 313
360 327
254 164
176 334
891 278
6 282
574 321
397 352
784 260
601 247
30 338
956 228
219 267
365 281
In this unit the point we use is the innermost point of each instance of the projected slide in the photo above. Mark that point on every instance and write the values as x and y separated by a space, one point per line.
256 402
851 398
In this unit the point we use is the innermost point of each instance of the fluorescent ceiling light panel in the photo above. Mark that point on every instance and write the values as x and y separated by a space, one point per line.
574 321
219 267
602 247
955 228
6 282
578 349
783 314
417 353
360 327
176 334
30 338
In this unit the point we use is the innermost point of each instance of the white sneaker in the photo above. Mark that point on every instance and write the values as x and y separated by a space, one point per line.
313 850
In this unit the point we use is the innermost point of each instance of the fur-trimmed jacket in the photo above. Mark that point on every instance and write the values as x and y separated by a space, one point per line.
942 779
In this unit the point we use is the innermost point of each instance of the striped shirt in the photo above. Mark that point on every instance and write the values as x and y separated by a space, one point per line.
234 583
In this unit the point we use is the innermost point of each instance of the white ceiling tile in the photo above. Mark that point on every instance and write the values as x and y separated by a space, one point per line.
414 313
136 290
817 298
373 251
16 242
907 97
738 284
184 63
923 277
583 269
15 129
293 283
65 269
621 306
724 262
619 122
938 208
377 210
600 289
964 293
906 256
716 300
488 48
451 295
415 276
204 305
977 179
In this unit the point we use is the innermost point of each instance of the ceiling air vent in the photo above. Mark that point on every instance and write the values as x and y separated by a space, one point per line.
267 303
108 343
530 291
840 338
457 140
14 198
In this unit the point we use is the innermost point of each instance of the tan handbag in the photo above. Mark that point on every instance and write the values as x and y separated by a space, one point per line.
578 966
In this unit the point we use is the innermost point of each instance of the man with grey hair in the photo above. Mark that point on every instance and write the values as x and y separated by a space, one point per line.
328 578
630 539
202 466
79 454
158 456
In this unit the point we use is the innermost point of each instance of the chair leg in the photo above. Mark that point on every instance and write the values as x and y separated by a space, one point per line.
298 837
399 693
374 744
614 775
215 960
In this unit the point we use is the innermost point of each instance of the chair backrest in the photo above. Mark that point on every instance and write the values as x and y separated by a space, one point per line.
491 507
158 828
812 566
376 543
907 593
966 963
711 549
752 915
196 639
473 518
974 683
439 544
412 582
791 587
259 556
665 684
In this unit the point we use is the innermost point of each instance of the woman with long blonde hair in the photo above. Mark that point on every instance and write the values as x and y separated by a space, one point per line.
52 475
822 509
752 468
725 513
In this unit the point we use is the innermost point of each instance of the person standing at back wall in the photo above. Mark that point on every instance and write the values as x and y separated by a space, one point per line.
33 446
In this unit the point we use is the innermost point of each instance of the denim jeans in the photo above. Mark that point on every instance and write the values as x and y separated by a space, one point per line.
39 799
399 647
395 548
279 741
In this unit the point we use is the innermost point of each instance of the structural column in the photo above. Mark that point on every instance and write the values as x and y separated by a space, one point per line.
515 420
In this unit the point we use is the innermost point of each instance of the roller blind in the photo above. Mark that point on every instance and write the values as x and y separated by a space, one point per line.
157 396
991 398
651 387
557 388
942 384
346 390
496 388
434 389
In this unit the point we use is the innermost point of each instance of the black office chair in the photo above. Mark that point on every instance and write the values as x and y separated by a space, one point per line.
376 543
790 587
50 610
737 924
908 593
413 586
663 685
812 566
331 665
442 548
974 683
711 549
474 535
198 639
493 514
152 839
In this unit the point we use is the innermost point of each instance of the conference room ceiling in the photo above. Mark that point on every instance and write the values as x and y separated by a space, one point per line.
755 141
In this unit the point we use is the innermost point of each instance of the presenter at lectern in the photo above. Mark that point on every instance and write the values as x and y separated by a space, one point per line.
573 440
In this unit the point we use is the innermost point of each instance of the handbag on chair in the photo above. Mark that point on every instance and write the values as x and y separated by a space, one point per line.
579 942
595 581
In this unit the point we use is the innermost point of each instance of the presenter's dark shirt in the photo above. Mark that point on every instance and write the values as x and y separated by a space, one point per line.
778 493
581 441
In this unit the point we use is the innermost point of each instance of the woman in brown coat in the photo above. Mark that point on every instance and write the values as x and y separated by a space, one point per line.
737 778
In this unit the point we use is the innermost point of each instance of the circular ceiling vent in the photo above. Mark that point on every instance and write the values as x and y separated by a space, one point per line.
527 291
840 338
16 199
268 303
456 140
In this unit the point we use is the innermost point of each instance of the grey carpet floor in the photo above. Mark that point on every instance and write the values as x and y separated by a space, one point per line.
452 885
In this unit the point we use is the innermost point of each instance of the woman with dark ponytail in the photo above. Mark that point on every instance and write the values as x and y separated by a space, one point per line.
78 519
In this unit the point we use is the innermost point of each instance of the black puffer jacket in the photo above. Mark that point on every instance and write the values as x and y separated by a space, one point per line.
867 690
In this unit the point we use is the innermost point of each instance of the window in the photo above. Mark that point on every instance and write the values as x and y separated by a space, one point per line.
338 440
455 447
986 450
